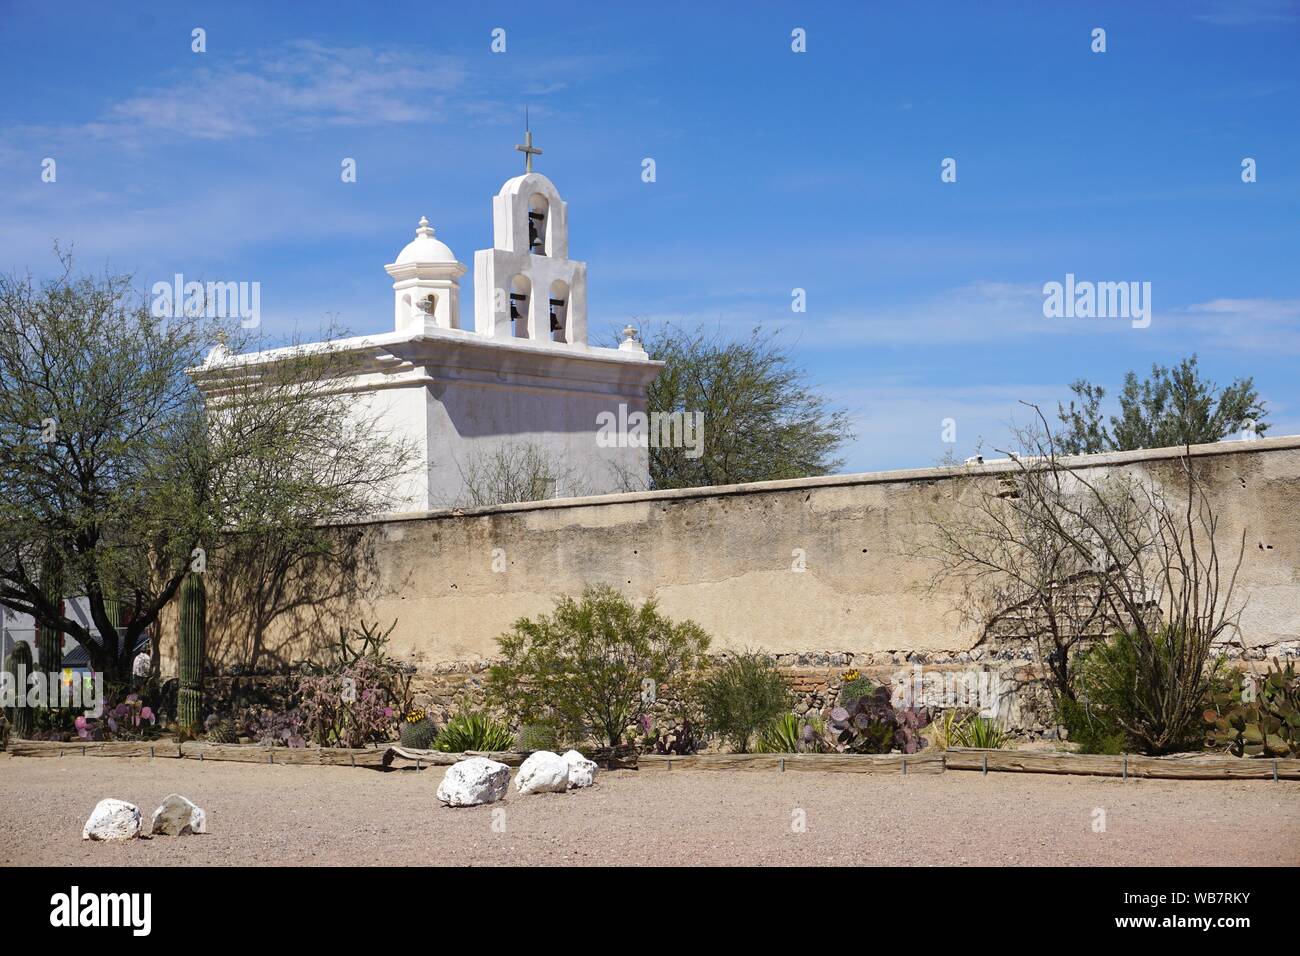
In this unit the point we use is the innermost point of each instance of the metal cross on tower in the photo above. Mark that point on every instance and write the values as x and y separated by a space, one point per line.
527 147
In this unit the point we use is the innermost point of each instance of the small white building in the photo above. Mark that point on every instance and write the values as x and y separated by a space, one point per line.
522 383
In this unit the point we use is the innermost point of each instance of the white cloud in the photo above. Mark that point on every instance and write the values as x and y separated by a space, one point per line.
302 86
899 424
1258 325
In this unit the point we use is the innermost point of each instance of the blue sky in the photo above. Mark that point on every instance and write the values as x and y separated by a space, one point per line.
775 170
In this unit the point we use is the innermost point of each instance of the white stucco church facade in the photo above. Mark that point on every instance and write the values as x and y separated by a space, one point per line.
523 380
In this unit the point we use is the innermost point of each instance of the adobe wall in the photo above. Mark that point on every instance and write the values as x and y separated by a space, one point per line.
804 569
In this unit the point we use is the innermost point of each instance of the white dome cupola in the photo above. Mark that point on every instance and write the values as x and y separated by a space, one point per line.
426 284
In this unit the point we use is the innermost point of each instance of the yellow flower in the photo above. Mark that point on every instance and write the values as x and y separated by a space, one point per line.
850 676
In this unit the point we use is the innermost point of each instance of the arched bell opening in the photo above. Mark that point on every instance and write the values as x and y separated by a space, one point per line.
520 294
539 242
559 311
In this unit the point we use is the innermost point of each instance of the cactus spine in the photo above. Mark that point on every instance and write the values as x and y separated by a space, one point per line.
191 650
19 664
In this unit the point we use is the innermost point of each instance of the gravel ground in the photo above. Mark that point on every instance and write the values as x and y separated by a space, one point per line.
288 815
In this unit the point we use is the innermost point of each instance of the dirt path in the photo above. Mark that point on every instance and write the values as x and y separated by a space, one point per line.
305 815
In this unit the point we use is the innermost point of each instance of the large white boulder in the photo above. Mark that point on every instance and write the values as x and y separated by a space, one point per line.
543 772
112 820
179 816
474 781
582 772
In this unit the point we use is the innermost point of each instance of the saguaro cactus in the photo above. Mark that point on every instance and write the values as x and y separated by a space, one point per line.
49 640
20 660
191 650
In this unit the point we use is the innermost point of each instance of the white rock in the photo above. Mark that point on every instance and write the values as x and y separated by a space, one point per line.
582 772
543 772
178 816
112 820
473 781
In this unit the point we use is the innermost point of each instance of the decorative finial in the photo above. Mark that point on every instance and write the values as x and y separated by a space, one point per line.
424 228
629 343
527 147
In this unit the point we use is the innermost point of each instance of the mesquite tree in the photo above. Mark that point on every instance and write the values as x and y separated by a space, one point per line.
112 458
763 420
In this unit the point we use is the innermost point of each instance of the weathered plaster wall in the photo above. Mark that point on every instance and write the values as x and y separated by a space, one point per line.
728 558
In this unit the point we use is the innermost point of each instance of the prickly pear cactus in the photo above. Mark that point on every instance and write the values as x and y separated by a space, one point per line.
191 650
1259 719
854 687
871 725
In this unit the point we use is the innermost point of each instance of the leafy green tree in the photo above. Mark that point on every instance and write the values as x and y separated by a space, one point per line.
587 664
1173 407
762 421
114 460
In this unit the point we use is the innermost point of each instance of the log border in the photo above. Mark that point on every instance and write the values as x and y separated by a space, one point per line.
926 762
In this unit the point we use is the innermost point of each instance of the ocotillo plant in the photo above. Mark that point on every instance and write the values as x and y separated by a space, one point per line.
193 646
20 718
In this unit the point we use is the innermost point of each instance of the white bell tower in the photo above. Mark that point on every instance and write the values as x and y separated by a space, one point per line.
426 284
526 287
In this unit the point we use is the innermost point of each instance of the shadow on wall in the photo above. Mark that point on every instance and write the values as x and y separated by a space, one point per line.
278 603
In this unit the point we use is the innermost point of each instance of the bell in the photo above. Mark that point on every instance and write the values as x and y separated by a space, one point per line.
534 235
555 323
514 309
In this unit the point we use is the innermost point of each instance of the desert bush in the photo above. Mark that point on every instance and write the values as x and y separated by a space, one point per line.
474 731
586 664
741 697
1137 687
1063 556
1091 730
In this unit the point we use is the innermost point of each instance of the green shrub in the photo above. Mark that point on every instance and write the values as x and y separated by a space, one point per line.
791 734
1138 688
1092 731
945 730
473 731
588 663
741 697
982 732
